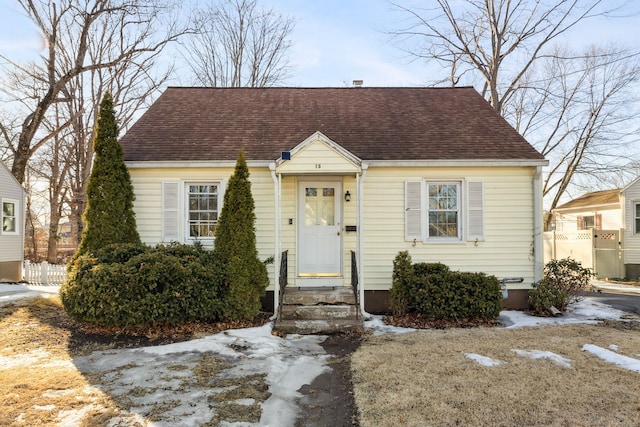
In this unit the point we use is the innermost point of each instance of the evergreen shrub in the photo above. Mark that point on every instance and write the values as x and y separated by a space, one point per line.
435 291
138 286
562 284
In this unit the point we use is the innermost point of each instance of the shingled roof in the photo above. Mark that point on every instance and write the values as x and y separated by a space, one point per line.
372 123
595 198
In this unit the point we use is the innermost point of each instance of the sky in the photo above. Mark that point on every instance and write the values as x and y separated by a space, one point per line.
286 364
338 41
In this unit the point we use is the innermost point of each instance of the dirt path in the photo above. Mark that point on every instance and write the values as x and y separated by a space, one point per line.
328 401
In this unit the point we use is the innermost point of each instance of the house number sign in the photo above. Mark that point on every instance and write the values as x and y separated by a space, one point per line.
318 166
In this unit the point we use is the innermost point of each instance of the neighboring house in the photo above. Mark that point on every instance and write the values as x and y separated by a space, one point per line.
602 230
343 179
12 200
599 210
631 213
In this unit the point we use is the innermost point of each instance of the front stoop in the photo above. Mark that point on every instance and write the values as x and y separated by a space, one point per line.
320 311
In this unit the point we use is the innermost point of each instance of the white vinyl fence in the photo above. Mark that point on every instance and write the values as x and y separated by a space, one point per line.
44 273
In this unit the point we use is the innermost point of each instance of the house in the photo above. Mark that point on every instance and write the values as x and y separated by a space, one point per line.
630 202
601 229
599 210
12 198
343 179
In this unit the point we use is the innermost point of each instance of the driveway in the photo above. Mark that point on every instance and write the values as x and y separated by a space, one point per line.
619 296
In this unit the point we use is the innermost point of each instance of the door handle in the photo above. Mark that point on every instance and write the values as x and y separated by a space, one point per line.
338 233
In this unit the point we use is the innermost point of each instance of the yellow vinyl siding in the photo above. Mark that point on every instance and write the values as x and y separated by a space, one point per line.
508 224
317 158
148 204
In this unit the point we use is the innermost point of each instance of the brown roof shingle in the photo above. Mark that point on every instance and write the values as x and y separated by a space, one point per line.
372 123
595 198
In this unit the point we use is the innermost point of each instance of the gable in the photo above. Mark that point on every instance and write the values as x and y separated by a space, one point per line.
607 199
374 124
319 155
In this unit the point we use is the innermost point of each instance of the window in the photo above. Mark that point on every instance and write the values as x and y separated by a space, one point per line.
588 222
9 217
443 215
637 217
444 211
202 209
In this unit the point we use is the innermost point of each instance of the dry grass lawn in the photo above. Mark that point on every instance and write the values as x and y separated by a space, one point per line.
425 379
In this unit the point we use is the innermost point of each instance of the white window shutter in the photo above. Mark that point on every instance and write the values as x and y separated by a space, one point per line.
413 210
475 210
170 211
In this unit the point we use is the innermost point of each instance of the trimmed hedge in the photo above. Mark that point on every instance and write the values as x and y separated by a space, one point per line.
129 285
435 291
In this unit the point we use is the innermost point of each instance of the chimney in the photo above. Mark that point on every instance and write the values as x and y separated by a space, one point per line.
357 83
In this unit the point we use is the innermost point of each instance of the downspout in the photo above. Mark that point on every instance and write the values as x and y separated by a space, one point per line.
276 244
360 240
538 263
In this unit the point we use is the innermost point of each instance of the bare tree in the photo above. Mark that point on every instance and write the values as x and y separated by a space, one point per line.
68 27
239 45
570 105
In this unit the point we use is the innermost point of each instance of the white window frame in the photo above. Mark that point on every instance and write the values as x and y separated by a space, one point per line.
471 211
16 217
460 211
636 217
187 222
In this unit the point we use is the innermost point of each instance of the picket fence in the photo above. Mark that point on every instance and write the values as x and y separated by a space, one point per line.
44 273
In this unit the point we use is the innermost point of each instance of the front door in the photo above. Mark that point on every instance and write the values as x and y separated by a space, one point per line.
319 231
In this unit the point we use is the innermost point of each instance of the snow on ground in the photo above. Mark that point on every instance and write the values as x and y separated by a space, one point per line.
625 362
484 360
164 373
541 354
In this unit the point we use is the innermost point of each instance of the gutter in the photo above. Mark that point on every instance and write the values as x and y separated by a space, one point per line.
360 243
276 267
538 263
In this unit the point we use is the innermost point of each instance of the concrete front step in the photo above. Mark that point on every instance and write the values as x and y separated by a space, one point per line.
319 327
315 296
319 312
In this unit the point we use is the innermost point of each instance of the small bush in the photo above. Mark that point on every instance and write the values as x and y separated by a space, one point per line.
433 290
544 295
561 286
143 287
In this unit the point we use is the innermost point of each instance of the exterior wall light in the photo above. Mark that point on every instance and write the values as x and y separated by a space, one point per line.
347 196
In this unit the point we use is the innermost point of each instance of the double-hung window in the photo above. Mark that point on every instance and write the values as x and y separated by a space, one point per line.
444 211
9 216
202 207
636 212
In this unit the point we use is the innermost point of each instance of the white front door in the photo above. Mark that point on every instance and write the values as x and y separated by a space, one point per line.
319 232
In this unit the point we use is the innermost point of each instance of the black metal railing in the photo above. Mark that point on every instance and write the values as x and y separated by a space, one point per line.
282 280
354 282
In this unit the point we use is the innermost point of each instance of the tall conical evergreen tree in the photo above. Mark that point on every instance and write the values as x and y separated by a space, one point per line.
109 216
235 246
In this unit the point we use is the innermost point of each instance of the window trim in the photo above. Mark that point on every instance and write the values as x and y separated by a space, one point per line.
636 216
461 209
16 217
186 222
471 209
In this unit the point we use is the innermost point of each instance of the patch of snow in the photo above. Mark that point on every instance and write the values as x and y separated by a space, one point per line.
539 354
13 292
44 407
585 311
625 362
35 358
483 360
613 347
378 327
287 364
